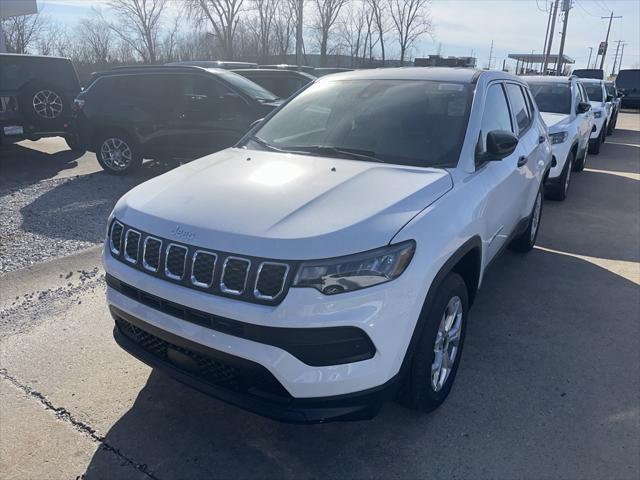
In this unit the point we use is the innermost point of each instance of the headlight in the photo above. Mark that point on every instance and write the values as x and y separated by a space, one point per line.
597 113
559 137
353 272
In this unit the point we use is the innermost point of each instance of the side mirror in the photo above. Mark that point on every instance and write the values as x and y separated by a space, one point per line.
620 94
609 98
500 144
255 123
583 107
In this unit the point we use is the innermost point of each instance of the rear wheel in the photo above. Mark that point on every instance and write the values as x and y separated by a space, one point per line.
435 363
524 242
118 154
560 190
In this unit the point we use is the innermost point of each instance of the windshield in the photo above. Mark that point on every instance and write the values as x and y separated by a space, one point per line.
248 87
552 97
405 122
594 91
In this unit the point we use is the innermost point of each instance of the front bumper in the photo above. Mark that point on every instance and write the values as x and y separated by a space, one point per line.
237 381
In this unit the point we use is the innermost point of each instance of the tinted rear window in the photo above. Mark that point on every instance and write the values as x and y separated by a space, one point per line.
589 73
628 79
552 97
15 71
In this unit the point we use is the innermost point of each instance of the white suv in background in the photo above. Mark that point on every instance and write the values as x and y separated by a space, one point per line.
602 106
329 260
565 109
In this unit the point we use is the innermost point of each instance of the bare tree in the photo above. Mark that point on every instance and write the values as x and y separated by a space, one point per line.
284 26
222 16
381 22
411 19
265 11
21 32
353 30
139 23
96 39
327 12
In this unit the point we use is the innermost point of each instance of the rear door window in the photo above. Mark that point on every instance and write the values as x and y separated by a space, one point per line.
519 106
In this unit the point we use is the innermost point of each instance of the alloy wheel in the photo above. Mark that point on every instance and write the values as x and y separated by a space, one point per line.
447 343
115 153
47 104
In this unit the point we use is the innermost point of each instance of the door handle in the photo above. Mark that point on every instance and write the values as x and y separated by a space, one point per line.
541 139
522 161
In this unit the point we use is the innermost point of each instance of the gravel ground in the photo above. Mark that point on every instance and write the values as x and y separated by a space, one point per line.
54 218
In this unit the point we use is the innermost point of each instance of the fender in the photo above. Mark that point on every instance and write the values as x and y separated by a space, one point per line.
473 243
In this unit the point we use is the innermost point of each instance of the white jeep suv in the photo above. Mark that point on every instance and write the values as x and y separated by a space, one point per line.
602 107
566 110
328 261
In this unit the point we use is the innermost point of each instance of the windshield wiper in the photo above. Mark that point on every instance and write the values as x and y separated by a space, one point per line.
353 153
265 144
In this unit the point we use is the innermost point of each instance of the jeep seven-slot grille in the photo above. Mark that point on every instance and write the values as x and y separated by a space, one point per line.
246 278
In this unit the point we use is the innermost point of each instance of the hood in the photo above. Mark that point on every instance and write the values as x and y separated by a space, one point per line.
555 119
282 206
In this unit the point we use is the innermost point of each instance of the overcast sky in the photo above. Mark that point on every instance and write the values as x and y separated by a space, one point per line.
515 26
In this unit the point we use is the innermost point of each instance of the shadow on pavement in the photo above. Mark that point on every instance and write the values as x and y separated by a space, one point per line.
20 164
77 209
533 398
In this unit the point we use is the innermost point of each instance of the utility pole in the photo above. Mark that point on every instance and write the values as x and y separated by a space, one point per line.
546 36
299 33
566 6
621 54
590 52
615 59
606 40
490 55
551 33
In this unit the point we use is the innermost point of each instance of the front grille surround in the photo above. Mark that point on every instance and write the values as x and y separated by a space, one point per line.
167 261
209 271
127 256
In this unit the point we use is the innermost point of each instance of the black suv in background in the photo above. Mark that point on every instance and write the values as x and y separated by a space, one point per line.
166 113
36 97
282 83
628 83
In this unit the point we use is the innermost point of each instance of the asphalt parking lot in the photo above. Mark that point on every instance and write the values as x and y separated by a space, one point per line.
548 387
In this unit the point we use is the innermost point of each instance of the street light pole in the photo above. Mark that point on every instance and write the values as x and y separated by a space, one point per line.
565 7
590 52
551 33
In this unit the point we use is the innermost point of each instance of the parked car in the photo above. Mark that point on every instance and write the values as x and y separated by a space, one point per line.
36 96
284 66
282 83
616 103
166 112
566 110
602 106
628 83
225 65
320 72
328 261
594 73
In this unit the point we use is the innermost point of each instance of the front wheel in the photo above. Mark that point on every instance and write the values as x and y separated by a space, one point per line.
560 190
435 363
525 242
579 165
117 154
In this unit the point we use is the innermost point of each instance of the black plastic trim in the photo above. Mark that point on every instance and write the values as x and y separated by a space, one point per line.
352 406
317 347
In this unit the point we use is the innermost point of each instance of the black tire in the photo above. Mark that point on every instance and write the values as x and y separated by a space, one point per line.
560 189
594 145
612 125
603 134
74 143
44 104
418 391
579 165
525 242
117 140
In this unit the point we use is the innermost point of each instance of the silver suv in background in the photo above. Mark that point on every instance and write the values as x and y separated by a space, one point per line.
566 111
602 106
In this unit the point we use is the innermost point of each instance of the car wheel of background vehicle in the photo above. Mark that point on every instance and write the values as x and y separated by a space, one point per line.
118 154
594 145
435 363
603 133
579 165
527 239
44 104
559 191
73 142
